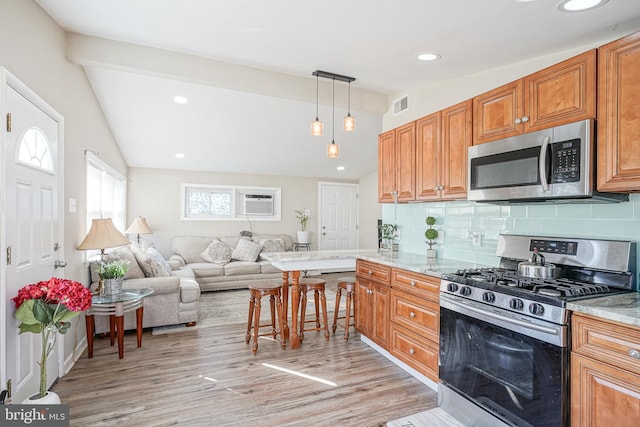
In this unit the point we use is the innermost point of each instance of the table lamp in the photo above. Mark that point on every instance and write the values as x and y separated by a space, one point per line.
102 234
139 226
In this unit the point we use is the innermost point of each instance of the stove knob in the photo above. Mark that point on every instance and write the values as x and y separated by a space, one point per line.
516 303
488 297
452 287
536 309
465 291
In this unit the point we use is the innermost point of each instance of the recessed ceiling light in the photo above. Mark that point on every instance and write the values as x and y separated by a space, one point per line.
179 155
427 56
580 5
340 168
180 99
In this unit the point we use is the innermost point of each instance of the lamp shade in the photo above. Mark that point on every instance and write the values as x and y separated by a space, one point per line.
333 150
103 234
139 226
349 123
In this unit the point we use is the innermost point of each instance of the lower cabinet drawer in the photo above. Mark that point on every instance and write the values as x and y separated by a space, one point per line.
416 314
606 341
419 353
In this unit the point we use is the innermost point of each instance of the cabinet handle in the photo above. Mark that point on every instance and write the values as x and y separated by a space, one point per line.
525 119
412 314
413 283
412 351
634 353
370 272
518 121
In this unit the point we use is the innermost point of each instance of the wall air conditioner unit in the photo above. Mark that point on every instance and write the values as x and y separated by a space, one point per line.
257 204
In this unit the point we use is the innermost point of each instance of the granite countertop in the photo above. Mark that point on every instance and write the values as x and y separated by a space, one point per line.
623 308
418 263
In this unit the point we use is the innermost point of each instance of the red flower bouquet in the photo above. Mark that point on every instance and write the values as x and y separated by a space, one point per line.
45 308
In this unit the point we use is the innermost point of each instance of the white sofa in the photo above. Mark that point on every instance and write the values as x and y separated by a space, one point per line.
174 301
228 272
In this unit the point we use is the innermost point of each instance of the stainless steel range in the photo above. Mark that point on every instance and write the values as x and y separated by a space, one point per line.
504 332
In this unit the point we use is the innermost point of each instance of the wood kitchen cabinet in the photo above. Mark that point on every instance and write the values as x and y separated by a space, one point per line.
442 140
557 95
619 115
396 164
605 373
372 301
414 321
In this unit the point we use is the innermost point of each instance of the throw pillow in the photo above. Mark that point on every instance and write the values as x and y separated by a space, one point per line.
151 261
246 251
134 271
217 253
272 245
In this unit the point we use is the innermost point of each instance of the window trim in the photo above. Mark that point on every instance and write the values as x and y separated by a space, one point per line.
235 215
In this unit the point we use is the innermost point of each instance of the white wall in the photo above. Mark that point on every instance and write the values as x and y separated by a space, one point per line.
33 49
155 194
369 211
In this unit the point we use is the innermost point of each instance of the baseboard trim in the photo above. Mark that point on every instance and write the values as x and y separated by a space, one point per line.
417 375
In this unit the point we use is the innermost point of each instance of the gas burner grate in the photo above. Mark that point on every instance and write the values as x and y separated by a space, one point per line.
544 286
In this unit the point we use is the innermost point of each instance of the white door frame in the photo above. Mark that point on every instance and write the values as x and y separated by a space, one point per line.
8 79
343 184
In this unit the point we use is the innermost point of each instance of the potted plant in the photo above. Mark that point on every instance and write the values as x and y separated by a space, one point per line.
112 273
388 236
431 234
45 308
303 234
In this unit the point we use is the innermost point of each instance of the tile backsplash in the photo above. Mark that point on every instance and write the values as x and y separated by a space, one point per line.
456 221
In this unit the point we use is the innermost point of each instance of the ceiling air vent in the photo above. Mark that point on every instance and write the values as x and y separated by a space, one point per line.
399 105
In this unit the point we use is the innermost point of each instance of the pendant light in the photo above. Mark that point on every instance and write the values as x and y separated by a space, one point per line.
349 122
316 125
333 150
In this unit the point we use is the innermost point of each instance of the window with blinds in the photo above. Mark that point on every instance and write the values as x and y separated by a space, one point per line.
106 193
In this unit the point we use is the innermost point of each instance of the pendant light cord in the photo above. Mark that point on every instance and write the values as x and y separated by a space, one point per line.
333 112
317 94
349 101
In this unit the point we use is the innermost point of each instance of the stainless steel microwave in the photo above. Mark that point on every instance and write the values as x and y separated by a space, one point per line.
556 164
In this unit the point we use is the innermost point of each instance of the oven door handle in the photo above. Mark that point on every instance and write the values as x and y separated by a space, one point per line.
552 335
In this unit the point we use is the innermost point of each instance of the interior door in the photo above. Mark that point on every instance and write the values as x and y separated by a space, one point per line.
338 216
31 228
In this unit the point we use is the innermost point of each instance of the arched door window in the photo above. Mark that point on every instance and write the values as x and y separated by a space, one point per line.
34 150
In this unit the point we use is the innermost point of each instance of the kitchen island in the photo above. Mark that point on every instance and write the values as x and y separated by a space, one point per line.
292 263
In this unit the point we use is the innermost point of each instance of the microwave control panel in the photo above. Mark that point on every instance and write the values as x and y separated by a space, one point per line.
565 161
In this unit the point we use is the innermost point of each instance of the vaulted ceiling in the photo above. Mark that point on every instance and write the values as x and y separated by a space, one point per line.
245 67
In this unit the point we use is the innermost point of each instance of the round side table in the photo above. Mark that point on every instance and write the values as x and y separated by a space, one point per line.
298 246
115 306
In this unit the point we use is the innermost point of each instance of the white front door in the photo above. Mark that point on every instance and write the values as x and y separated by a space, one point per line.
31 228
338 216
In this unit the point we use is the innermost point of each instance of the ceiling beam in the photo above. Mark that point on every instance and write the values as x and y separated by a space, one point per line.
89 51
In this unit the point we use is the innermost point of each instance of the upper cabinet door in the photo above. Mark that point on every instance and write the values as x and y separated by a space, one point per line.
428 157
497 114
561 94
456 140
619 115
386 166
557 95
405 162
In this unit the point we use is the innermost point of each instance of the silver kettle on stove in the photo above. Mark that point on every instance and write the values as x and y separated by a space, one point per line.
535 269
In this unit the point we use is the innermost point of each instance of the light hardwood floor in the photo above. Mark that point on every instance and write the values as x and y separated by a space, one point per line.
208 377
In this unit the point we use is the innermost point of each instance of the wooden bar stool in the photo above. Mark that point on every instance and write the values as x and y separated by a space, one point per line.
348 285
257 292
318 288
